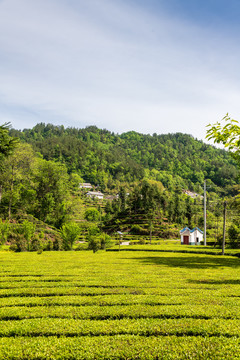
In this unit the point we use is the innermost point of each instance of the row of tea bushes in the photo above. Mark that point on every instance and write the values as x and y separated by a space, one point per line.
119 305
122 299
119 312
143 327
121 347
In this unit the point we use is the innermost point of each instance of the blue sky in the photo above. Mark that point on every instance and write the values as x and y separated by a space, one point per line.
153 66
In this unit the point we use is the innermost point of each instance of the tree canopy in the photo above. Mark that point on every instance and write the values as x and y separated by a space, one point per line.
142 176
106 159
7 142
226 132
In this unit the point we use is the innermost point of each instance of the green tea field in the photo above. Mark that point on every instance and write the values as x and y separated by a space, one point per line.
119 305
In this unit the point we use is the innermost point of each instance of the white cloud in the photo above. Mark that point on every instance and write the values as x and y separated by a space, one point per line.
107 63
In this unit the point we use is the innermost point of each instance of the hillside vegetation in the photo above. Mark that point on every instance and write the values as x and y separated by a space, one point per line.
148 179
107 159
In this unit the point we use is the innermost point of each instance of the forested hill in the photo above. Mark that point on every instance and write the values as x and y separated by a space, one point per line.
107 159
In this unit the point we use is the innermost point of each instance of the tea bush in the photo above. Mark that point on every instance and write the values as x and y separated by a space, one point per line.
119 305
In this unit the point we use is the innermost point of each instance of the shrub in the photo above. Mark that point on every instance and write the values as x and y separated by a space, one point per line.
92 214
35 243
18 243
4 231
80 247
138 230
234 236
69 233
105 241
135 229
94 243
28 229
97 242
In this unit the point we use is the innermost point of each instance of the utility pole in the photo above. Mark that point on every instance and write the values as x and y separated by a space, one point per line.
205 215
224 226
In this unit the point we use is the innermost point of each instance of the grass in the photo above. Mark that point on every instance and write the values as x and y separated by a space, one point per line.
119 305
175 246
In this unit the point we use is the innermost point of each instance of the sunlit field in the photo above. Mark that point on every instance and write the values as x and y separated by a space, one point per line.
119 305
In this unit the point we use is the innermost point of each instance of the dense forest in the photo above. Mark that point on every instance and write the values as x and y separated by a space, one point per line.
146 177
107 159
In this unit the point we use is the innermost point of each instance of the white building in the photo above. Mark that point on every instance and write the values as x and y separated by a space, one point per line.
95 195
191 237
85 186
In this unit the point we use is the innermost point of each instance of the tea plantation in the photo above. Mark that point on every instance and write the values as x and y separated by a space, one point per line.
119 305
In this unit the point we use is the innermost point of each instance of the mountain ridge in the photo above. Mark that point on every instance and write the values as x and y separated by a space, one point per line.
108 159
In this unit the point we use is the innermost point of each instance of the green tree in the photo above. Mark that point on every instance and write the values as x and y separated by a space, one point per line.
105 241
108 207
234 235
7 142
99 241
51 192
150 225
178 210
28 230
189 211
227 133
122 198
110 159
74 181
17 179
4 231
7 145
70 233
94 243
93 239
92 214
170 209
